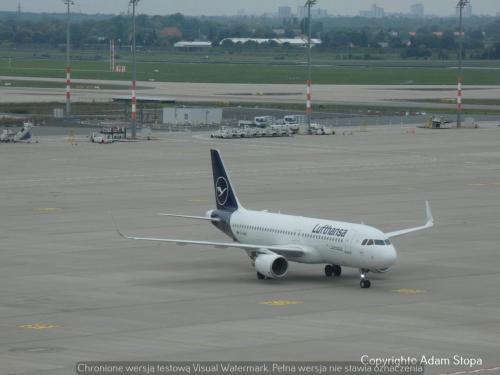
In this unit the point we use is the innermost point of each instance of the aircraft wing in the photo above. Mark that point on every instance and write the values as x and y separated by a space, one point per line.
428 224
291 251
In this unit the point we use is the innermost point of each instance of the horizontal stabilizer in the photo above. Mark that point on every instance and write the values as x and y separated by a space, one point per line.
192 217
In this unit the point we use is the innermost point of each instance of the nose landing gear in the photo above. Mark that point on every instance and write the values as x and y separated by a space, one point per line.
364 283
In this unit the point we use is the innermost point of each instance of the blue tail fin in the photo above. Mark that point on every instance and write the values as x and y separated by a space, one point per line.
225 197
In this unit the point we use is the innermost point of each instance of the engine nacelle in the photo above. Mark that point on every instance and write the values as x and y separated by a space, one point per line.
381 270
271 265
209 213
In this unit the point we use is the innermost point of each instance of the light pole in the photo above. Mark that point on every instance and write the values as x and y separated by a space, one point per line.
134 73
309 4
461 5
68 62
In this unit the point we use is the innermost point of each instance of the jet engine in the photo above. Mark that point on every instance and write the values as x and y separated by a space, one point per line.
381 270
271 265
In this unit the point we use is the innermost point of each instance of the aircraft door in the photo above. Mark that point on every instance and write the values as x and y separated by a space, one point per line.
350 244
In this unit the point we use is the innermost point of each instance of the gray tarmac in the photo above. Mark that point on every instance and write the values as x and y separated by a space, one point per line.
72 290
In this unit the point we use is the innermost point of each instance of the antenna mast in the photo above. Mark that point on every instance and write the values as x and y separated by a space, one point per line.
460 6
309 4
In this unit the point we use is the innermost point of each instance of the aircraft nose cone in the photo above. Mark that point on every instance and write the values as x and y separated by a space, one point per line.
390 255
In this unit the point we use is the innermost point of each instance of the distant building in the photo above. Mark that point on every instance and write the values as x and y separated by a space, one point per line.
301 12
417 10
298 42
285 12
374 12
468 10
171 31
192 116
192 45
315 12
319 13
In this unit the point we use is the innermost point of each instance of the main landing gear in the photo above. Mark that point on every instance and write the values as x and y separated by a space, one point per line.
333 270
364 283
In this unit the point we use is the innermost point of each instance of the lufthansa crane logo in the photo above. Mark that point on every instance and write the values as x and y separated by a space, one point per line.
221 190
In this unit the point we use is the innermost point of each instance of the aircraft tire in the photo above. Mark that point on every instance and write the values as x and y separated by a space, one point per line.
337 270
365 284
328 270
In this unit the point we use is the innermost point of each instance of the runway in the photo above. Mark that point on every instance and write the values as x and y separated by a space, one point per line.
401 96
72 290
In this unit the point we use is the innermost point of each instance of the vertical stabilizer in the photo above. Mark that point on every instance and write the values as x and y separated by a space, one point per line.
225 196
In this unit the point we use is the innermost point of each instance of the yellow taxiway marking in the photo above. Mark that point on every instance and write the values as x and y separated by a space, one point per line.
48 209
38 326
486 184
280 302
409 291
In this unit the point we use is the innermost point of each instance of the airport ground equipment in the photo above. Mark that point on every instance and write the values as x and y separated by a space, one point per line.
24 135
109 134
253 132
316 129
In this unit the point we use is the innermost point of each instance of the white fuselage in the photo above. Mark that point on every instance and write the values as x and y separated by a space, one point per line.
324 241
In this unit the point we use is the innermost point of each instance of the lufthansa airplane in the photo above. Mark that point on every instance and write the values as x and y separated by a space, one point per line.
271 240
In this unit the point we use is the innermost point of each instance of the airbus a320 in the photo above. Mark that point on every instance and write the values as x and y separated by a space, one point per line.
272 240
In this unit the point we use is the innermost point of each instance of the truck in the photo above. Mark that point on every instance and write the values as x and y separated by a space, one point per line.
294 121
263 121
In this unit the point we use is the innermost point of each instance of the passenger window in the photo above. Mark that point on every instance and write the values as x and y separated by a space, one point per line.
370 242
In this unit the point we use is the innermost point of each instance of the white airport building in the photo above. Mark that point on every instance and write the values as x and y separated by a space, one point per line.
192 116
298 42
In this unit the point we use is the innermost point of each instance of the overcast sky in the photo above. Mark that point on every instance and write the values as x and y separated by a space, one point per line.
231 7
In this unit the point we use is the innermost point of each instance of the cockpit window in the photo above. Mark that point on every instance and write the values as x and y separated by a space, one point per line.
379 242
387 242
364 242
370 242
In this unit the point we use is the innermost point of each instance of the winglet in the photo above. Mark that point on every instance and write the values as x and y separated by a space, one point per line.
430 218
428 224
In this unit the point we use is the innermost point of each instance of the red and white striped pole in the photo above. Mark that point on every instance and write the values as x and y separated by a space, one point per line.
134 73
134 104
68 62
308 99
68 90
461 5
